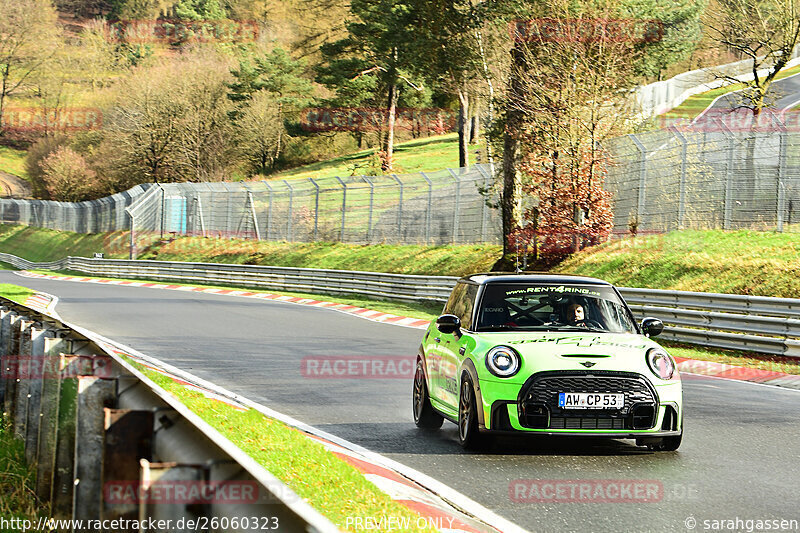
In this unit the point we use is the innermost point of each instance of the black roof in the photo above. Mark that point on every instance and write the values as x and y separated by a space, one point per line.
531 277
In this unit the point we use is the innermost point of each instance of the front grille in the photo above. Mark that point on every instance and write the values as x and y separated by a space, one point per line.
538 401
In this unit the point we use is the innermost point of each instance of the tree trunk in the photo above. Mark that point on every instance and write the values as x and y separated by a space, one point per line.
463 129
389 149
475 127
512 182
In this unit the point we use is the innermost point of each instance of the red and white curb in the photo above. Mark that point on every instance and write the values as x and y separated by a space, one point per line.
687 366
42 302
368 314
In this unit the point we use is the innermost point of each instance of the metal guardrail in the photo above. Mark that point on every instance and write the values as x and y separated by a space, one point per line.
750 323
104 438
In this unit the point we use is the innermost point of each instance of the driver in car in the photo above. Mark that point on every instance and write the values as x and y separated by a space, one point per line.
576 316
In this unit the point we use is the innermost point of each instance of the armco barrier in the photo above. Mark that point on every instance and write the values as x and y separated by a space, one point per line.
109 444
751 323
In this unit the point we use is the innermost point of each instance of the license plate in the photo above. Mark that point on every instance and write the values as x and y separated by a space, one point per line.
590 400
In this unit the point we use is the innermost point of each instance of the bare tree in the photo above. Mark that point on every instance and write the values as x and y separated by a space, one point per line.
28 37
763 31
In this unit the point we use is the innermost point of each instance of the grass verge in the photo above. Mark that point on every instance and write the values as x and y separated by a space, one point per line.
17 497
12 160
445 260
329 484
40 244
420 155
735 262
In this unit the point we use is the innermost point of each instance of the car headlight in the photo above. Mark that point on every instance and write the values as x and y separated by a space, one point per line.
503 361
660 363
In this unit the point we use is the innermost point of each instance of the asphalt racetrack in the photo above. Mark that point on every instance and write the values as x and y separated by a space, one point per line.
740 456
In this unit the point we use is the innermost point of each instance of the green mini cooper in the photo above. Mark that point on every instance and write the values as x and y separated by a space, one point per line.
550 355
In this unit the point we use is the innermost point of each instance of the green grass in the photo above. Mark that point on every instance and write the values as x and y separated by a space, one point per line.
329 484
736 262
12 161
15 292
445 260
694 105
17 497
39 244
420 155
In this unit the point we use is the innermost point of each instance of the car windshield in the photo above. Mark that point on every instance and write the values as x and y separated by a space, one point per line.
543 307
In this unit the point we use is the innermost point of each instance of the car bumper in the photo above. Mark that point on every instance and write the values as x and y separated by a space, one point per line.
502 414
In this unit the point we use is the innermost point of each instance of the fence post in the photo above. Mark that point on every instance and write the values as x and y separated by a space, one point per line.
163 210
728 201
682 187
782 156
253 214
458 202
344 204
269 210
484 208
316 207
200 215
291 212
399 209
428 213
642 179
371 203
132 253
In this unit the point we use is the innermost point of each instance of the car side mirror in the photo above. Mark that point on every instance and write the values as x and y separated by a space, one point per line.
448 323
652 327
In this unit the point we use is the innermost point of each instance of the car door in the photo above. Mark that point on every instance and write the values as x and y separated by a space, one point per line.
452 348
434 344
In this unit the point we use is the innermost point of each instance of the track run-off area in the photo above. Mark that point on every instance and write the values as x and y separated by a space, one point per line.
740 458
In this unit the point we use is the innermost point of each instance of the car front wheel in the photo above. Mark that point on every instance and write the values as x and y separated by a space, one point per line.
468 434
424 414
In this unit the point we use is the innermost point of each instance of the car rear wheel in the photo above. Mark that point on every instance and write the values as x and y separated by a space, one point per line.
468 434
424 414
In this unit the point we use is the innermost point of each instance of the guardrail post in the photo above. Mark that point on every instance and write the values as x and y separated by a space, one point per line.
51 392
399 209
344 206
166 474
291 212
38 336
128 439
19 413
371 203
94 394
316 207
64 460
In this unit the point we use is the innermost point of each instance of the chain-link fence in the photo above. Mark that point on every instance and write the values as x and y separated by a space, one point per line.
449 206
94 216
442 207
707 178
